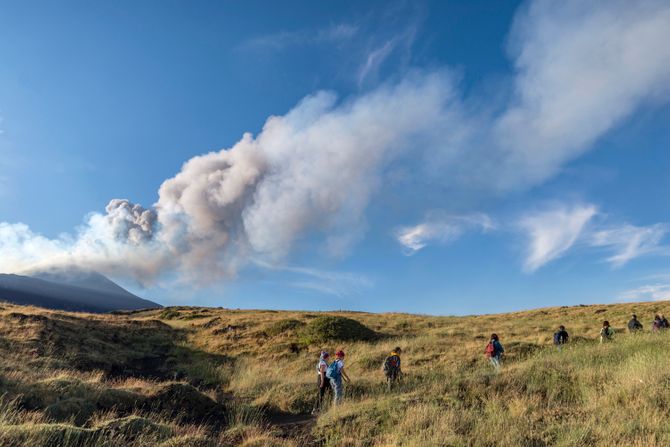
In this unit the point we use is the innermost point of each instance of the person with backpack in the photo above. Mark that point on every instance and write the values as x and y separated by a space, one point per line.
560 337
657 325
606 333
336 373
494 352
634 325
391 368
664 322
322 382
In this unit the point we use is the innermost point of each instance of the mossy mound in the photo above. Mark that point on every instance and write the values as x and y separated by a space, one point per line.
47 435
53 390
283 326
79 411
326 328
119 400
168 314
185 404
132 428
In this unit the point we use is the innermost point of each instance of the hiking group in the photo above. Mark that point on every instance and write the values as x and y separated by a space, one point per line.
330 376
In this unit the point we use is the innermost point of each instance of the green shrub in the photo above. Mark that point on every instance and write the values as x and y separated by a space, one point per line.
327 328
168 314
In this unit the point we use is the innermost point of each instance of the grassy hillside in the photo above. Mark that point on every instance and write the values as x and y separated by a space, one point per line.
212 377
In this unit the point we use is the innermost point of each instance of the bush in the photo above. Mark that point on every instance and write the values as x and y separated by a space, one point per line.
168 314
327 328
282 326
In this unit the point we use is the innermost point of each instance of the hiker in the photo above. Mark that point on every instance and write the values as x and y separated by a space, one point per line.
664 322
606 333
391 368
336 373
494 352
560 337
322 382
657 325
634 325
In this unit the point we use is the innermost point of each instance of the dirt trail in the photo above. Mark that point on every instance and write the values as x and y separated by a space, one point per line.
297 427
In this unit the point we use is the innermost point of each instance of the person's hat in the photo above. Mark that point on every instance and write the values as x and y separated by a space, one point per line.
339 354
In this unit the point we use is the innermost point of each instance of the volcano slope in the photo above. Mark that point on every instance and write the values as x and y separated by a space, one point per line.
183 376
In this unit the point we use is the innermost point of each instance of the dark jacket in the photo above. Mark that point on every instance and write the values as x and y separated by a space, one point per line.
561 337
634 325
657 325
497 348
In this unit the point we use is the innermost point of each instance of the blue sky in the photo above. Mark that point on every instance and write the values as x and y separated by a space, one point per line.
438 157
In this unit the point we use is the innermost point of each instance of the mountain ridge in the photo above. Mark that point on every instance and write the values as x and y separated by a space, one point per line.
70 290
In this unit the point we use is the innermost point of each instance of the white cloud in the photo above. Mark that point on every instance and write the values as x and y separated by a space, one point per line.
629 242
552 232
649 292
440 227
582 67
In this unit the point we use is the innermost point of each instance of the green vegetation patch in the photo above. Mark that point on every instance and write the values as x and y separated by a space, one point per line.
327 328
168 314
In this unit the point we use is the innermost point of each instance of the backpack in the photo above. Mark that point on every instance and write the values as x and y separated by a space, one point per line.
391 364
490 350
333 372
607 332
557 338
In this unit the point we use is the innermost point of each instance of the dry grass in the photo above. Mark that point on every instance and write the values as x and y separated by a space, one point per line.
76 379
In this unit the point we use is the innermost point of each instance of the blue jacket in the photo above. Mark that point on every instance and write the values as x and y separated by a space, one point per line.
497 348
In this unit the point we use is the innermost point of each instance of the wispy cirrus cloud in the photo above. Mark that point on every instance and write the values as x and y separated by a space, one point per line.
442 228
552 232
328 282
337 33
379 53
648 292
629 242
582 67
555 230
